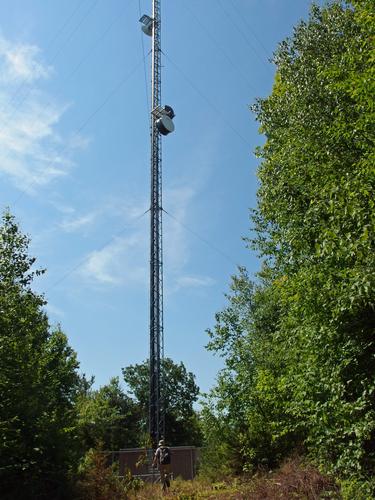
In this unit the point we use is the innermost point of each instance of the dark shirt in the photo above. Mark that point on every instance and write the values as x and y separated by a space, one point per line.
158 454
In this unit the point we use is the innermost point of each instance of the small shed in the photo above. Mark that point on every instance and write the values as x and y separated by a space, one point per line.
139 462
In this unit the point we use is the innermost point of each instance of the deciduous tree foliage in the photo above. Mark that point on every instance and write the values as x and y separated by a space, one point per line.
38 381
179 393
107 417
299 344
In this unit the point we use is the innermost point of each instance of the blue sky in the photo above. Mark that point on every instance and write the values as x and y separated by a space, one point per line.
74 162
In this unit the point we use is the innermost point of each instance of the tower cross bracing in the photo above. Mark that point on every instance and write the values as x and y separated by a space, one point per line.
156 411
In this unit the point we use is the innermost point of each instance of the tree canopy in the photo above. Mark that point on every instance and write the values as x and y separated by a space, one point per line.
108 418
180 392
38 380
299 341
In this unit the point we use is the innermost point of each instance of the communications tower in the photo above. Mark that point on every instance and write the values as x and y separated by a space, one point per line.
160 124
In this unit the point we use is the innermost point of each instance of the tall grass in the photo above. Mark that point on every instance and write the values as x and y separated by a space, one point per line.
294 480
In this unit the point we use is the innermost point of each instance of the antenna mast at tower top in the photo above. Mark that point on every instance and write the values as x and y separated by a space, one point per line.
161 124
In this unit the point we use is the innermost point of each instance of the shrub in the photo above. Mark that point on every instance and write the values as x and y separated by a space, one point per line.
98 480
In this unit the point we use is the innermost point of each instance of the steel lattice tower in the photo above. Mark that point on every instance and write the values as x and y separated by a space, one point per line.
156 412
160 124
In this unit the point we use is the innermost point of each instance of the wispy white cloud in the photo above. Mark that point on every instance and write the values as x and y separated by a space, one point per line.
61 206
128 211
20 62
193 282
100 265
32 153
122 262
75 223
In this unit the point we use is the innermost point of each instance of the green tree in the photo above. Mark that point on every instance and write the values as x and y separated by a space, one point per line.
179 394
107 416
38 381
299 345
249 402
315 223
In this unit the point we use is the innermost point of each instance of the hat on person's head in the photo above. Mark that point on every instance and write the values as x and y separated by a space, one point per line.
161 442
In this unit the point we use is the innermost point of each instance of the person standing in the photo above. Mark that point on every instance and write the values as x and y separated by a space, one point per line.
162 459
